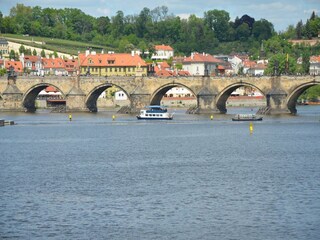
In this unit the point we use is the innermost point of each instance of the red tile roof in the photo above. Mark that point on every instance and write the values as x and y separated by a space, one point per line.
249 64
51 89
32 58
315 59
53 63
71 65
164 65
196 57
163 47
114 59
16 64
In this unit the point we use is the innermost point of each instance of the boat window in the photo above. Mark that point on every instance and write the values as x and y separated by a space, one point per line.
154 115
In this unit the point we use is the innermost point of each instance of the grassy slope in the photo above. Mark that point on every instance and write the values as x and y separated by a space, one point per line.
58 45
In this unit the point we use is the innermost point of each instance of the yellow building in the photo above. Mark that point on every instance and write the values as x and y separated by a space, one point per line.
112 64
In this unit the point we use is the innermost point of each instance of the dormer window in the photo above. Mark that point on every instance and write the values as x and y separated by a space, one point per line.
110 61
90 60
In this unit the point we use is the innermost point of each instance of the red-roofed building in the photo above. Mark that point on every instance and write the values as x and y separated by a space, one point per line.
254 68
162 52
17 65
112 64
54 66
32 63
72 66
314 65
201 64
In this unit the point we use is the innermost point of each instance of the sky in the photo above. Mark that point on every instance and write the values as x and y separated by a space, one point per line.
281 13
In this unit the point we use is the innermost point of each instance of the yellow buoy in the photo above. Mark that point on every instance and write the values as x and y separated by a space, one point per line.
113 117
70 117
251 128
211 117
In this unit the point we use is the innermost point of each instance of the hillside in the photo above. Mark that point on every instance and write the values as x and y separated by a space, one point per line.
50 45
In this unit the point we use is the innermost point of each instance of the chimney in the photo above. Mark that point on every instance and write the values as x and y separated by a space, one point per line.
87 52
93 52
102 51
192 55
132 53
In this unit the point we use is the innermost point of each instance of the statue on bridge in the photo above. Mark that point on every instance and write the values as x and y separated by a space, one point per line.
12 75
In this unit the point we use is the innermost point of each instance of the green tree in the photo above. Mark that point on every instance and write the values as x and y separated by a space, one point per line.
262 30
12 55
3 71
299 29
306 62
142 22
22 49
242 32
103 25
22 17
34 52
43 53
218 21
278 65
117 24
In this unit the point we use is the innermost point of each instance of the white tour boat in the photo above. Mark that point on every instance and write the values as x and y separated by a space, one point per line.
155 112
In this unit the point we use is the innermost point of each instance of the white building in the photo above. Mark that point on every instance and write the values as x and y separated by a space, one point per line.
201 64
162 52
236 63
32 63
314 65
179 92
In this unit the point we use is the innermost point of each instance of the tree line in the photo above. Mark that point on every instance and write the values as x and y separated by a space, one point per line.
214 33
202 34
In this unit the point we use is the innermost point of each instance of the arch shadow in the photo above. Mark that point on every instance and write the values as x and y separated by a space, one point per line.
30 96
226 93
91 100
293 97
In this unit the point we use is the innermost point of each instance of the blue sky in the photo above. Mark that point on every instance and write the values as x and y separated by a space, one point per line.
281 13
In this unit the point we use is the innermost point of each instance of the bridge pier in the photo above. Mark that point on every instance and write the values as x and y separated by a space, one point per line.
276 101
75 101
139 101
206 103
11 96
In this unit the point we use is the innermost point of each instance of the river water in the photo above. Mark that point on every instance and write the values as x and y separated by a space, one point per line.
189 178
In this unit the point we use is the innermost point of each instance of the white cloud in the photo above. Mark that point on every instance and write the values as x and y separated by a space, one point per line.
104 11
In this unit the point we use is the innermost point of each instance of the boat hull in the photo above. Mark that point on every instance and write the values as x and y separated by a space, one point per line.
247 119
151 118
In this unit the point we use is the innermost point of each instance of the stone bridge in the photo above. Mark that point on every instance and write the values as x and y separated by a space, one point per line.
81 93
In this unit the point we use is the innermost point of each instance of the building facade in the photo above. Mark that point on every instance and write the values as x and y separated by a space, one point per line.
4 47
112 64
162 52
201 64
314 65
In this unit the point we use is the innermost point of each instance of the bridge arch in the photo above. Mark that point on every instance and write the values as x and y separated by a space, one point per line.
222 97
29 98
293 97
161 91
92 97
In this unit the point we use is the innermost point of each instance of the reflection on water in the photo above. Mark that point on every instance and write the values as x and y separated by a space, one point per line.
189 178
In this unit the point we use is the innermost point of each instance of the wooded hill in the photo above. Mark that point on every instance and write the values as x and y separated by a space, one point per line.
213 33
